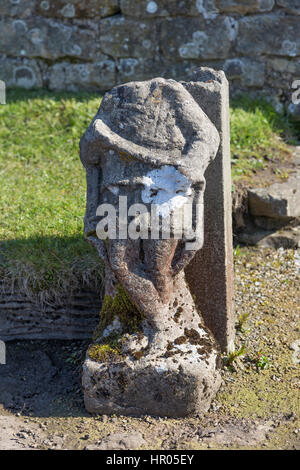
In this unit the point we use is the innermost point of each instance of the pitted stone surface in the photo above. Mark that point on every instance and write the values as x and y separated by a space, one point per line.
17 8
161 8
120 37
156 122
177 365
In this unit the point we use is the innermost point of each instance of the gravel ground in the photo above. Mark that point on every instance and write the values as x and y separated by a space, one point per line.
258 406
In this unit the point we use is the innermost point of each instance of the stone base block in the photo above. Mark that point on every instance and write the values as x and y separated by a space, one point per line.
163 373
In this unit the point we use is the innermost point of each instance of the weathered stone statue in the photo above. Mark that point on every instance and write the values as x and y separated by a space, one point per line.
145 154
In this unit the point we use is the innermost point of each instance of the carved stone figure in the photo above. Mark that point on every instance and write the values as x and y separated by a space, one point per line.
148 148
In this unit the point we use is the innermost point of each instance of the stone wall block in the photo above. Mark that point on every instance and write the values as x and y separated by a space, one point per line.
100 75
195 38
24 73
291 6
245 6
17 8
269 34
77 8
47 39
125 37
162 8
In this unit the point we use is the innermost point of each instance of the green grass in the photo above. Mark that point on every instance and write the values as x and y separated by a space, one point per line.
42 202
258 135
43 192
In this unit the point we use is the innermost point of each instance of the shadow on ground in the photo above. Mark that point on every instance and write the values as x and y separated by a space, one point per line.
42 378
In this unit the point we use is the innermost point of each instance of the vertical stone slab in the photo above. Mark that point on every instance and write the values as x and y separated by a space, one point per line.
210 274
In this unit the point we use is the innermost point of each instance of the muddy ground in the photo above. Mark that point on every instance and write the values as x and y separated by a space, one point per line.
258 406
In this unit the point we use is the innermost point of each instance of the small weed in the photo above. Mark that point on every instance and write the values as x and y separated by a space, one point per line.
261 361
232 357
243 317
281 173
237 250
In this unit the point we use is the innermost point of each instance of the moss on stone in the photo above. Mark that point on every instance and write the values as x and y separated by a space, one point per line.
121 306
103 353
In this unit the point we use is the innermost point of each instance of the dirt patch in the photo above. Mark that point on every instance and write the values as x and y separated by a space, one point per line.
275 170
18 433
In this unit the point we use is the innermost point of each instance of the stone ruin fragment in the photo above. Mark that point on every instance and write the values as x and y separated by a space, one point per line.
157 347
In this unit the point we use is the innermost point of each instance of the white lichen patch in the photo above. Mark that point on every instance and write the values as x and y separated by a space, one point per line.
147 43
75 50
24 77
161 368
83 72
190 351
289 48
194 48
207 9
152 7
134 342
232 27
36 36
45 5
115 327
166 188
128 66
68 11
20 26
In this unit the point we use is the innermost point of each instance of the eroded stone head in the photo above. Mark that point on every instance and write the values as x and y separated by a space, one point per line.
153 144
156 122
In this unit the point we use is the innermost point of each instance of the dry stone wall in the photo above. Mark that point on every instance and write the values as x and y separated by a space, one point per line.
96 44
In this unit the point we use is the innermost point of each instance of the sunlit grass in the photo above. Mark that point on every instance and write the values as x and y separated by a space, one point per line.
42 198
258 135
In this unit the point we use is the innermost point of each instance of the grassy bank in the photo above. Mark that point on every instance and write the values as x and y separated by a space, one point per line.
42 202
259 136
43 192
